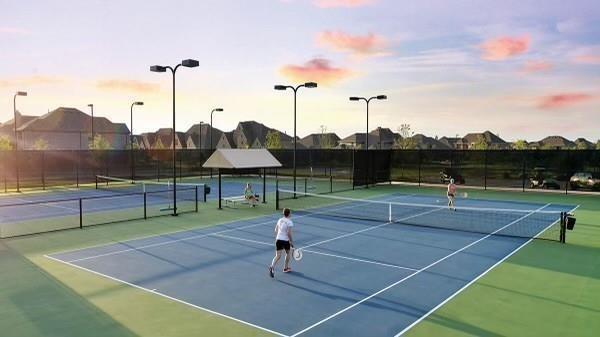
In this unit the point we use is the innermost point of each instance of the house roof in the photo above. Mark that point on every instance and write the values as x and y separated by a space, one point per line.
557 141
424 142
314 140
385 133
487 135
449 141
8 126
72 120
241 159
253 131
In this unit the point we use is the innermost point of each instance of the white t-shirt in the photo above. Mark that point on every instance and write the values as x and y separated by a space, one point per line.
283 225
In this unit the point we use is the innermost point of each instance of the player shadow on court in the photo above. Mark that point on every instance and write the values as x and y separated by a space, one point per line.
389 305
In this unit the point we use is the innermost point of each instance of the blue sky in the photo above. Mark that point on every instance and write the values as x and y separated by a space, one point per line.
522 69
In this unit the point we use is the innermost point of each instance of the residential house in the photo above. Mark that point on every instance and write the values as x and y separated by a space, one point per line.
584 144
357 141
554 143
452 142
427 143
199 137
7 129
384 138
163 139
70 129
320 140
251 134
493 141
226 141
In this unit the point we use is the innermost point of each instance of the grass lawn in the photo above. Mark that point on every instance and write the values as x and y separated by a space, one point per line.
546 289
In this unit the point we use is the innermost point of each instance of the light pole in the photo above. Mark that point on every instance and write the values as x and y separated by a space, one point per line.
295 89
18 93
211 123
92 107
368 100
131 138
189 63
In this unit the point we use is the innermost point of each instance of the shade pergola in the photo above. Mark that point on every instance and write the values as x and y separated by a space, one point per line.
241 159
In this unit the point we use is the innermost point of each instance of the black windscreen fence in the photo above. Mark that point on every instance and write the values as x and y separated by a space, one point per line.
523 169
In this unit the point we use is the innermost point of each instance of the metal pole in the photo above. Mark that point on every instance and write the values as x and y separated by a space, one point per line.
131 141
173 70
219 171
264 185
295 93
16 141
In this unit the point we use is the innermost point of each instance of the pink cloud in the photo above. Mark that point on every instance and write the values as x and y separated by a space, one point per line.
30 81
563 100
128 85
342 3
587 59
536 66
318 70
370 44
504 47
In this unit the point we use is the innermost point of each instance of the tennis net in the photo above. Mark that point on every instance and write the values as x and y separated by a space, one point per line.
543 222
186 191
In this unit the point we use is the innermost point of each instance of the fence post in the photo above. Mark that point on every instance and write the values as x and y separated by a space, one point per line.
277 194
80 213
264 185
196 197
524 169
43 171
419 152
485 163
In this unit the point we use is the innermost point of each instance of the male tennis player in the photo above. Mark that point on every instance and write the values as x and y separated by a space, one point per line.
451 195
283 240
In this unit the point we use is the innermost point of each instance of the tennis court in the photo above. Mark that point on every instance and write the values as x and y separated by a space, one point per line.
371 267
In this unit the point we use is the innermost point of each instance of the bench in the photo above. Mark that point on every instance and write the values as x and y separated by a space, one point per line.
241 199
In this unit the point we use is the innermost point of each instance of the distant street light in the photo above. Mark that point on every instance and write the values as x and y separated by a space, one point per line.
131 138
295 89
189 63
368 100
92 107
18 93
211 126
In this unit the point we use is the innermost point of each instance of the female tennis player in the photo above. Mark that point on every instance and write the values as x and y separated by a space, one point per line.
451 195
250 196
283 241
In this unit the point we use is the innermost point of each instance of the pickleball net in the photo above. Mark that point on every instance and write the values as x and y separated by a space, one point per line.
540 222
185 191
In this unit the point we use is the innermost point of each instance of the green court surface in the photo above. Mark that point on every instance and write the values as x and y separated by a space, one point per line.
545 289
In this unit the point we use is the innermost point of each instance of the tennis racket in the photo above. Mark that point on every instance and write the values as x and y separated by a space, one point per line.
297 254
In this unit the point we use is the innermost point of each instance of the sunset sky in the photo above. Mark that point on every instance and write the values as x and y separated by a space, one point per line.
522 69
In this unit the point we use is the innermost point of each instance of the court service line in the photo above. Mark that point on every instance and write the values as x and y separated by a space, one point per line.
194 236
166 296
413 274
476 278
321 253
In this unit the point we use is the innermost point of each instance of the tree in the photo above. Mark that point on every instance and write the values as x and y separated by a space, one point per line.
5 143
40 144
520 144
405 141
273 140
325 141
481 143
598 145
100 143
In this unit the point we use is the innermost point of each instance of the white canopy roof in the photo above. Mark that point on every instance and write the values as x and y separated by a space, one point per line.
240 159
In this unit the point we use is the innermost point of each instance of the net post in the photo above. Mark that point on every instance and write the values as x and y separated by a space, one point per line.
96 182
330 183
145 206
203 192
196 198
305 185
390 212
563 223
80 213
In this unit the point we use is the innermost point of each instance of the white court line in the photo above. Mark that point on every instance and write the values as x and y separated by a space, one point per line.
166 296
413 274
321 253
476 278
196 236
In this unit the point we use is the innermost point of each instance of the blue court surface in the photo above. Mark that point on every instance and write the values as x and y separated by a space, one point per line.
357 278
